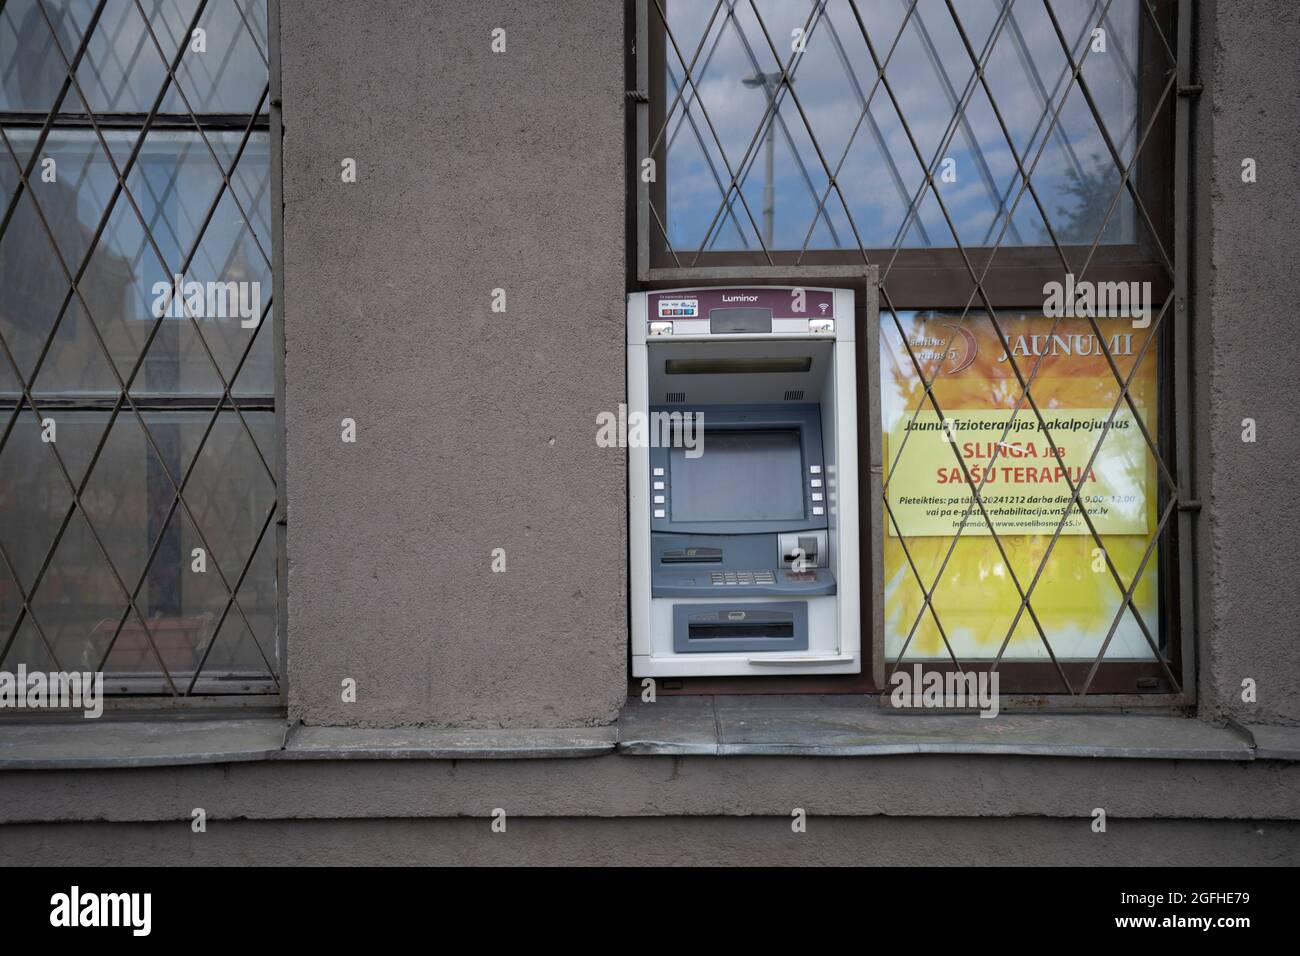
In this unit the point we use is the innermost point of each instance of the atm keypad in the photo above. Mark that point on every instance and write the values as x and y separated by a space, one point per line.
741 578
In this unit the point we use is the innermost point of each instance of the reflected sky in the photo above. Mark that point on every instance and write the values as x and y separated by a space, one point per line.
717 124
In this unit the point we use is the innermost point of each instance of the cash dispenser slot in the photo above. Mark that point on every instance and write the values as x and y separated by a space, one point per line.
710 628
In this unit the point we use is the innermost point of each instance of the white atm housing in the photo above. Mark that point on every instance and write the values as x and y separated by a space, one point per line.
744 549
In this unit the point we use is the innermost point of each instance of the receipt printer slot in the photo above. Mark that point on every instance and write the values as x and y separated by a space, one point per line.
692 556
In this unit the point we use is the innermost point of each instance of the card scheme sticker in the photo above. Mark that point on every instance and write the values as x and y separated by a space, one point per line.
679 308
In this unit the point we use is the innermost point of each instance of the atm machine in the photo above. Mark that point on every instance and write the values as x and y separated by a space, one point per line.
743 496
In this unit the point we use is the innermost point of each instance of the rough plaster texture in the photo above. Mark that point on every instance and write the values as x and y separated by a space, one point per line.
643 786
752 841
1247 287
475 430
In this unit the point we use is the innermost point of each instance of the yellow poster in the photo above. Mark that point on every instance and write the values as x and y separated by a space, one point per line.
986 437
1024 478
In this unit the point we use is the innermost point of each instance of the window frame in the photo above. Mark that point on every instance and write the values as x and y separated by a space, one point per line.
937 279
212 688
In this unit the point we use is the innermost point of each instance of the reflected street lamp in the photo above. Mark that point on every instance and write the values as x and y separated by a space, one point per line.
770 82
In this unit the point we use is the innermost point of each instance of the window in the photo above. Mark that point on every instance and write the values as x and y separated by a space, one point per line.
1013 168
867 133
138 454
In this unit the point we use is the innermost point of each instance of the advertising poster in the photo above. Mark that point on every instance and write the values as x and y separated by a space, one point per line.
1024 486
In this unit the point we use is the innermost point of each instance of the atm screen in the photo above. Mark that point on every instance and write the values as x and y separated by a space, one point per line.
743 475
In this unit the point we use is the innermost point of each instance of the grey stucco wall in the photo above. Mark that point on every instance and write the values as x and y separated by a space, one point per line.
982 786
475 430
697 841
908 809
1247 287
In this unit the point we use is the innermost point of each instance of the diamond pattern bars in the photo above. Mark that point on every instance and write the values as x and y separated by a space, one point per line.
685 96
1026 384
686 92
225 403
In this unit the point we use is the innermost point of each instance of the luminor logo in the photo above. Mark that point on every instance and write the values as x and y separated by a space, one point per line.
739 298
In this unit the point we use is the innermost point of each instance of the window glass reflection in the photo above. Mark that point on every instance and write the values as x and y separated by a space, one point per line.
128 502
122 70
174 182
845 121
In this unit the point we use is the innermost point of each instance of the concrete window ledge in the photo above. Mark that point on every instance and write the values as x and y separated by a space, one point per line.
784 726
71 745
59 745
350 743
858 727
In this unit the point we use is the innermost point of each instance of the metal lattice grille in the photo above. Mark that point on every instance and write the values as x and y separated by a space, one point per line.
137 486
1066 159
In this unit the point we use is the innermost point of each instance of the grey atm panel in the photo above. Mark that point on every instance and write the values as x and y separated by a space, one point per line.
744 509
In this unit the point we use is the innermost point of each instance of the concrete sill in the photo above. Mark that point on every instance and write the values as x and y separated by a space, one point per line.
856 727
349 743
86 744
83 744
678 726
